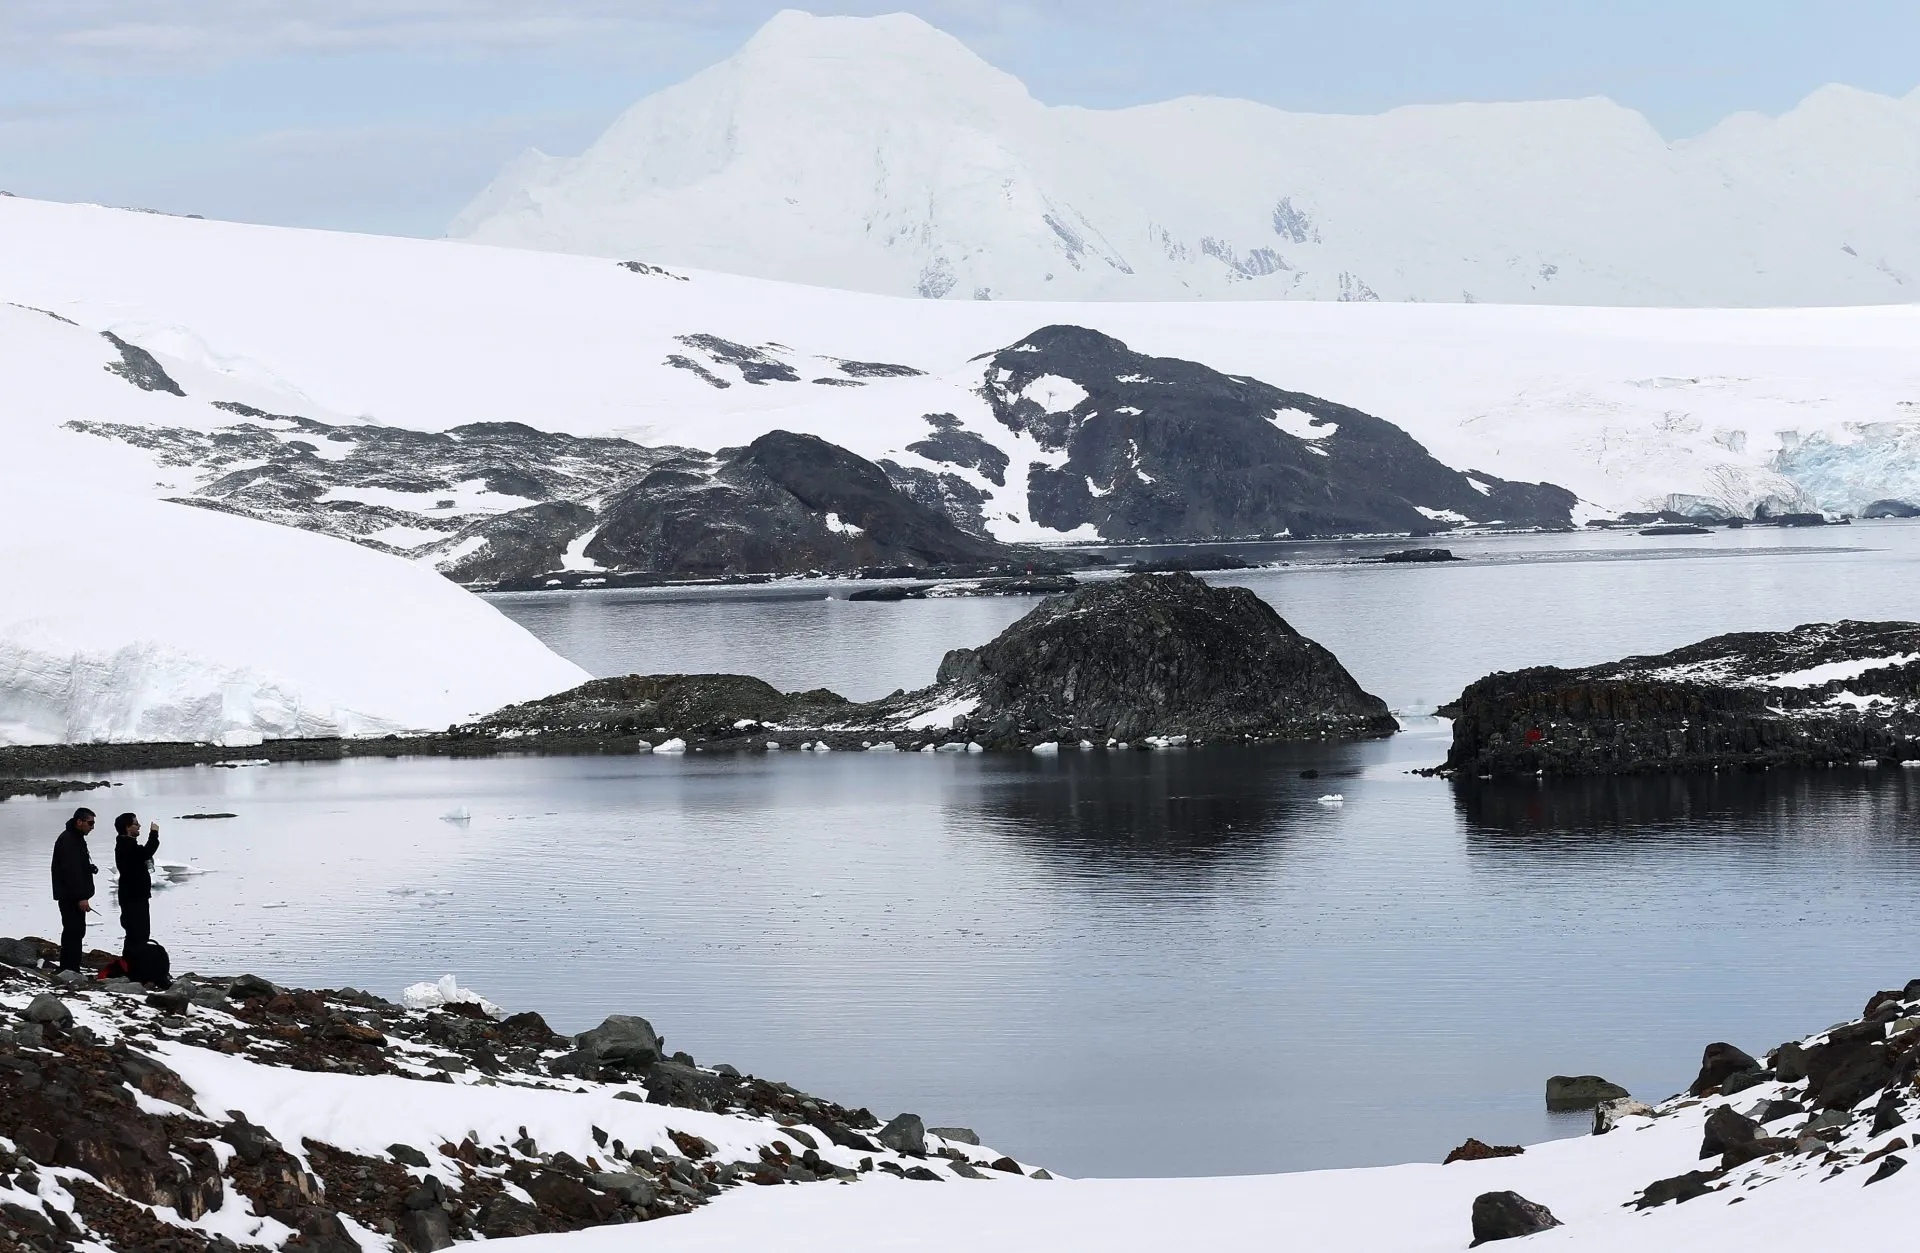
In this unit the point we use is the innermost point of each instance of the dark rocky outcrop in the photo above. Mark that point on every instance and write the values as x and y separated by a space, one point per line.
785 503
1819 694
1419 556
1507 1215
1168 449
1162 655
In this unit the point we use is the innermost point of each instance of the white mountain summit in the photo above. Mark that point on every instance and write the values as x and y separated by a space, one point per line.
880 154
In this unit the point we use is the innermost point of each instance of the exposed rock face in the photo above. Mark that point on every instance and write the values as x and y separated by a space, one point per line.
1161 655
502 503
1164 448
1823 693
785 503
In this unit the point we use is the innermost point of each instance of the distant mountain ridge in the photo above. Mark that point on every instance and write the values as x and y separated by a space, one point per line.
881 155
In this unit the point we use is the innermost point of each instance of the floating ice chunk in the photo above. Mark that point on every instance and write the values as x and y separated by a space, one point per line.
927 748
773 746
1048 749
643 746
459 817
953 748
674 745
1333 800
974 748
886 746
447 991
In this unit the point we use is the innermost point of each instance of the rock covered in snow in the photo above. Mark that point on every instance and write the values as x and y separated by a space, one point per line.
1820 694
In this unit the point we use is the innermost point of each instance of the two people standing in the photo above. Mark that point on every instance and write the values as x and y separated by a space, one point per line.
73 883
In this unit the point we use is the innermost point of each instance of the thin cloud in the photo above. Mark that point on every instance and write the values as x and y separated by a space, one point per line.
155 34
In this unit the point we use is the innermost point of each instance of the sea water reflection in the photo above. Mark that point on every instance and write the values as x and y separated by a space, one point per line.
1170 962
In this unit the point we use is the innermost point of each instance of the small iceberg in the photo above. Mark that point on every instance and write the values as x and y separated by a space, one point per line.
1333 800
674 745
447 991
458 817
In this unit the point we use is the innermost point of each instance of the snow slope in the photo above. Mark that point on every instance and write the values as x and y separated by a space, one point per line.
125 617
882 155
1625 406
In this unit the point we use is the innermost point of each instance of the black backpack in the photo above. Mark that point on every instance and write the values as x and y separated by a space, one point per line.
151 967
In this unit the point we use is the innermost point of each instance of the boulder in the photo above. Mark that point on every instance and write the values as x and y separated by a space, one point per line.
1725 1130
631 1189
1790 1063
959 1135
1889 1165
248 986
20 953
1506 1215
48 1011
905 1135
1741 1080
1887 1114
1841 1074
1566 1092
1718 1061
622 1042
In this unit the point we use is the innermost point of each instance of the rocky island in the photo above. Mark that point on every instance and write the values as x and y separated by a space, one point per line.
1820 694
1148 658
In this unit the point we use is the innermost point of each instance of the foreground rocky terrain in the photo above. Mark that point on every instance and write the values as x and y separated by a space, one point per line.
229 1113
1820 694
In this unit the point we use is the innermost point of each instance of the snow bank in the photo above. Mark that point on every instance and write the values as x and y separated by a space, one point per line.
134 619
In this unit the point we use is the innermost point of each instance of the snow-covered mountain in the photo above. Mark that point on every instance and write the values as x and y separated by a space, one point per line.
1628 408
881 155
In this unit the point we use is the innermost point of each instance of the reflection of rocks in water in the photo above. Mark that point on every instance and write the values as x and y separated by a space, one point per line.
1096 806
1666 807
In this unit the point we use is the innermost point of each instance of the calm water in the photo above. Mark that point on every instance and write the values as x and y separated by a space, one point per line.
1176 962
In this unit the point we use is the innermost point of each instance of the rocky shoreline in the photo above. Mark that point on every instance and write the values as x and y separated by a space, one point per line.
1146 661
154 1122
1822 694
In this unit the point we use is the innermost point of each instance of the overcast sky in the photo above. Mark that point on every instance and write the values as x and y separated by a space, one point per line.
388 115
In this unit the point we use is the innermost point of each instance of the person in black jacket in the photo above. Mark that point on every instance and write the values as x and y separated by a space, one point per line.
131 859
73 872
